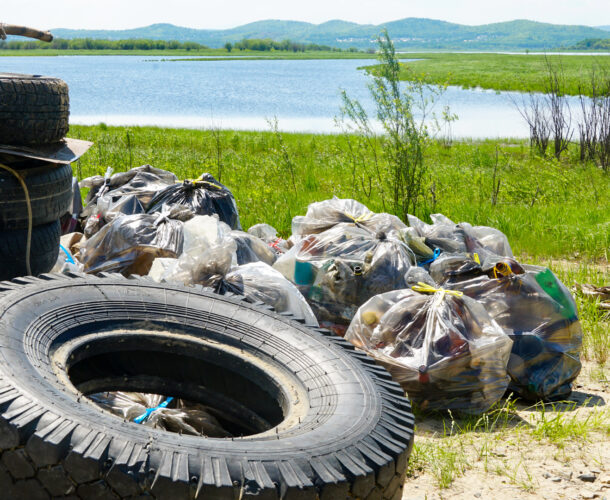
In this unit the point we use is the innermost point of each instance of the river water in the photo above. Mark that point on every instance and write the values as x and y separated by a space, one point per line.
303 95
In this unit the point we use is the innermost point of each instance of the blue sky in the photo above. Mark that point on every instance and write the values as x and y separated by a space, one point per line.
117 14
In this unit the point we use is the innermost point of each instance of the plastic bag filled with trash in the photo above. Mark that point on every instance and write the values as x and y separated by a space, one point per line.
539 314
447 236
205 196
442 347
452 268
129 244
215 266
125 193
341 268
167 413
269 235
143 182
325 214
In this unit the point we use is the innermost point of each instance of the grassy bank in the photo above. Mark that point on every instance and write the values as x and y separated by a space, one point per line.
523 72
547 208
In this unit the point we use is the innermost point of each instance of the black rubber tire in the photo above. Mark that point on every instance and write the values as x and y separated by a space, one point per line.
34 109
43 252
50 191
352 440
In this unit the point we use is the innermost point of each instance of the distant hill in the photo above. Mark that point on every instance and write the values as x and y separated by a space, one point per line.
605 28
409 33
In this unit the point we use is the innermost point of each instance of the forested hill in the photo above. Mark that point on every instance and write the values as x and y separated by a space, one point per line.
409 33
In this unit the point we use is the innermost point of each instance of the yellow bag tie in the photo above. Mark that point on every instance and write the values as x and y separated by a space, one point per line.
502 269
425 288
475 257
362 218
28 203
200 182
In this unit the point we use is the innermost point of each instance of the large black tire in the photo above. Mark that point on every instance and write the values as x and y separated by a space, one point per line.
43 251
339 427
50 191
34 109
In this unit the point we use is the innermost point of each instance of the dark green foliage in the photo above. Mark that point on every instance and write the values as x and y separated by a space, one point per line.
94 44
592 44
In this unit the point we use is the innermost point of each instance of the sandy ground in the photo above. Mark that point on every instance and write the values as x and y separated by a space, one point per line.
571 460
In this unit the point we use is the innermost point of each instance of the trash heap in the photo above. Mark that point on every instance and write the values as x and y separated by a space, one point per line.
445 307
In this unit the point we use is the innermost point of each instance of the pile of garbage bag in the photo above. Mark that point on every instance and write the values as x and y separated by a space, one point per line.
440 345
445 307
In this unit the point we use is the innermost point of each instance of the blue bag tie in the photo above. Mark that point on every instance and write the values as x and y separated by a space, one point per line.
142 418
69 258
435 256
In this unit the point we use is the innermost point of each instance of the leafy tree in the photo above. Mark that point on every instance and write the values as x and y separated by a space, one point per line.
398 164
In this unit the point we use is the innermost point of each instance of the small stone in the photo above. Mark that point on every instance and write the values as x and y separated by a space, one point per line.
588 494
546 475
556 479
478 495
605 479
587 477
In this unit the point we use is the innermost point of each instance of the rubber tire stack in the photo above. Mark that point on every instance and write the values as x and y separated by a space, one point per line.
34 111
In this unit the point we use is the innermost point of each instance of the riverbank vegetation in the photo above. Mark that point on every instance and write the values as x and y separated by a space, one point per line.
547 207
137 46
518 72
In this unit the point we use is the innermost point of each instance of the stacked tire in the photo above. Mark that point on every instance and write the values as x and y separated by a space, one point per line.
34 111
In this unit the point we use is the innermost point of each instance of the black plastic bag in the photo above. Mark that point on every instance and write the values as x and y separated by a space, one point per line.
205 196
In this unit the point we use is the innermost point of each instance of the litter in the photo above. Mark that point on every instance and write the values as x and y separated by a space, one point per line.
205 196
326 214
394 291
130 243
154 410
441 346
213 267
339 269
538 313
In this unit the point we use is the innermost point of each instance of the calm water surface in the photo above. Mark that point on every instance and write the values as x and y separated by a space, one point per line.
303 95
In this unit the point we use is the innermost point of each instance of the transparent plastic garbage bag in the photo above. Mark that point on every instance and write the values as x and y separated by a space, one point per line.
341 268
130 243
460 238
269 235
539 314
258 282
444 349
325 214
143 182
177 415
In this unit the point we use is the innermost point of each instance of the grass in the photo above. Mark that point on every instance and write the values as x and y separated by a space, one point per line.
517 72
546 208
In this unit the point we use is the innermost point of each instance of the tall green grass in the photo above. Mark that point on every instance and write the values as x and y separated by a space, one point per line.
520 72
546 208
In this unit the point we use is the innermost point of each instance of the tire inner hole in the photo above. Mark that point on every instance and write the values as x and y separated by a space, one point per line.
215 393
